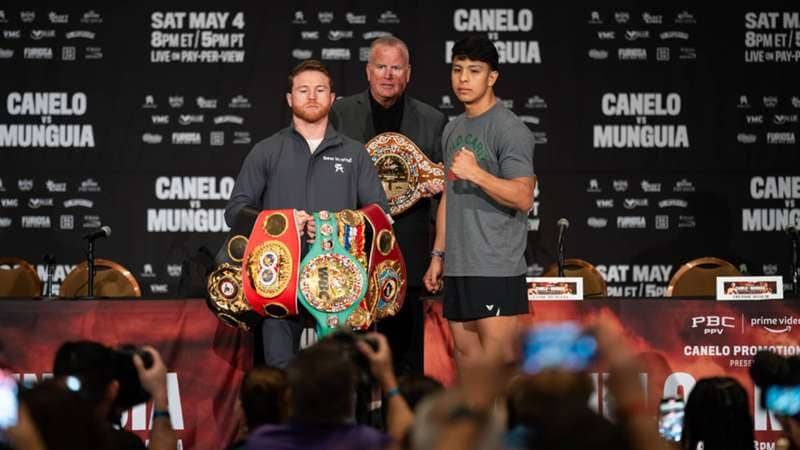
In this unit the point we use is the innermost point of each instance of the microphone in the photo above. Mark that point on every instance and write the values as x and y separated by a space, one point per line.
793 230
562 225
104 231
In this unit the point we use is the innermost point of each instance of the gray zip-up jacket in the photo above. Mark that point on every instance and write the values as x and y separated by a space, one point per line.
280 172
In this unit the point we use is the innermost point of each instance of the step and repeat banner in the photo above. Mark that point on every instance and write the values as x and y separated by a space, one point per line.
665 131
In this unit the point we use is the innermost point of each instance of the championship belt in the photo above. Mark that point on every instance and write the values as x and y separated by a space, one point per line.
332 281
387 268
402 168
269 273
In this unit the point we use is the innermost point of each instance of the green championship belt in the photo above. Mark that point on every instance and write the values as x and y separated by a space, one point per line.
332 281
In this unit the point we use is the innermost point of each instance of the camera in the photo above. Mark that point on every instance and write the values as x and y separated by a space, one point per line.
565 345
131 392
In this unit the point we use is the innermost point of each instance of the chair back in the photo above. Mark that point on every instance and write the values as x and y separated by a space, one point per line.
593 283
18 278
110 280
698 277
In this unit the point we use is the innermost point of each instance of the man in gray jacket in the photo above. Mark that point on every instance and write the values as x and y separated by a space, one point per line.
308 166
381 108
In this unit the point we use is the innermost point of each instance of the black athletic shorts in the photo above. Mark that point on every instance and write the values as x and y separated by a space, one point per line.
472 298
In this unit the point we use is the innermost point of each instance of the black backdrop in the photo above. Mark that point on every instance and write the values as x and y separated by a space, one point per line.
138 115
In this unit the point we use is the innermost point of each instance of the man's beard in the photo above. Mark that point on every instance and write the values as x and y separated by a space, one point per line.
311 116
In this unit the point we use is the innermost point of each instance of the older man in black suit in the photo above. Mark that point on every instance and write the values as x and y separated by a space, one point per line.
386 107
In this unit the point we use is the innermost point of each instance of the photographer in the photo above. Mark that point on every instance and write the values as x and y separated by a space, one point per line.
779 381
115 380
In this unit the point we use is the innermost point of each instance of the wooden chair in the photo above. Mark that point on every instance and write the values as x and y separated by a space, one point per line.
18 278
698 277
110 280
593 283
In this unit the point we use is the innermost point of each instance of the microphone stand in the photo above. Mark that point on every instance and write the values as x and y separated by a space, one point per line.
795 265
90 267
50 262
561 254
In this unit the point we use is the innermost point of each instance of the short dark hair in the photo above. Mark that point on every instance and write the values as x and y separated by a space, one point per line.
477 48
91 361
322 379
263 396
718 414
309 64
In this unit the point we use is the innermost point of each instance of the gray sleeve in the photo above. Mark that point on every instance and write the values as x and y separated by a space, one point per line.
370 189
250 185
516 152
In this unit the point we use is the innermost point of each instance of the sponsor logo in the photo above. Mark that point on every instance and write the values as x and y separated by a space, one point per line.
754 120
594 186
631 222
356 19
370 35
35 221
217 138
684 17
91 221
539 137
743 102
363 54
712 325
796 102
604 202
388 17
68 53
769 269
535 102
149 102
3 18
188 119
12 34
9 202
152 138
535 270
770 101
620 185
6 53
5 222
53 186
175 101
36 203
147 271
325 16
309 35
652 19
662 222
606 35
597 222
94 53
2 188
27 16
776 325
507 102
686 222
80 34
241 137
746 138
650 187
25 185
783 119
42 34
336 35
186 138
662 53
594 18
174 270
622 16
299 18
533 120
240 102
58 18
91 17
673 203
598 54
632 203
158 289
446 103
687 53
337 54
300 53
66 222
635 35
228 119
160 120
89 185
631 54
780 138
78 202
38 53
673 35
206 103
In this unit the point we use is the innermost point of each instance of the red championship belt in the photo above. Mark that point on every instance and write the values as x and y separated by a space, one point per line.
269 266
387 268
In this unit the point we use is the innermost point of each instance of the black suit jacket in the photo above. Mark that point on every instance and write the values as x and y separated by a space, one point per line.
423 124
